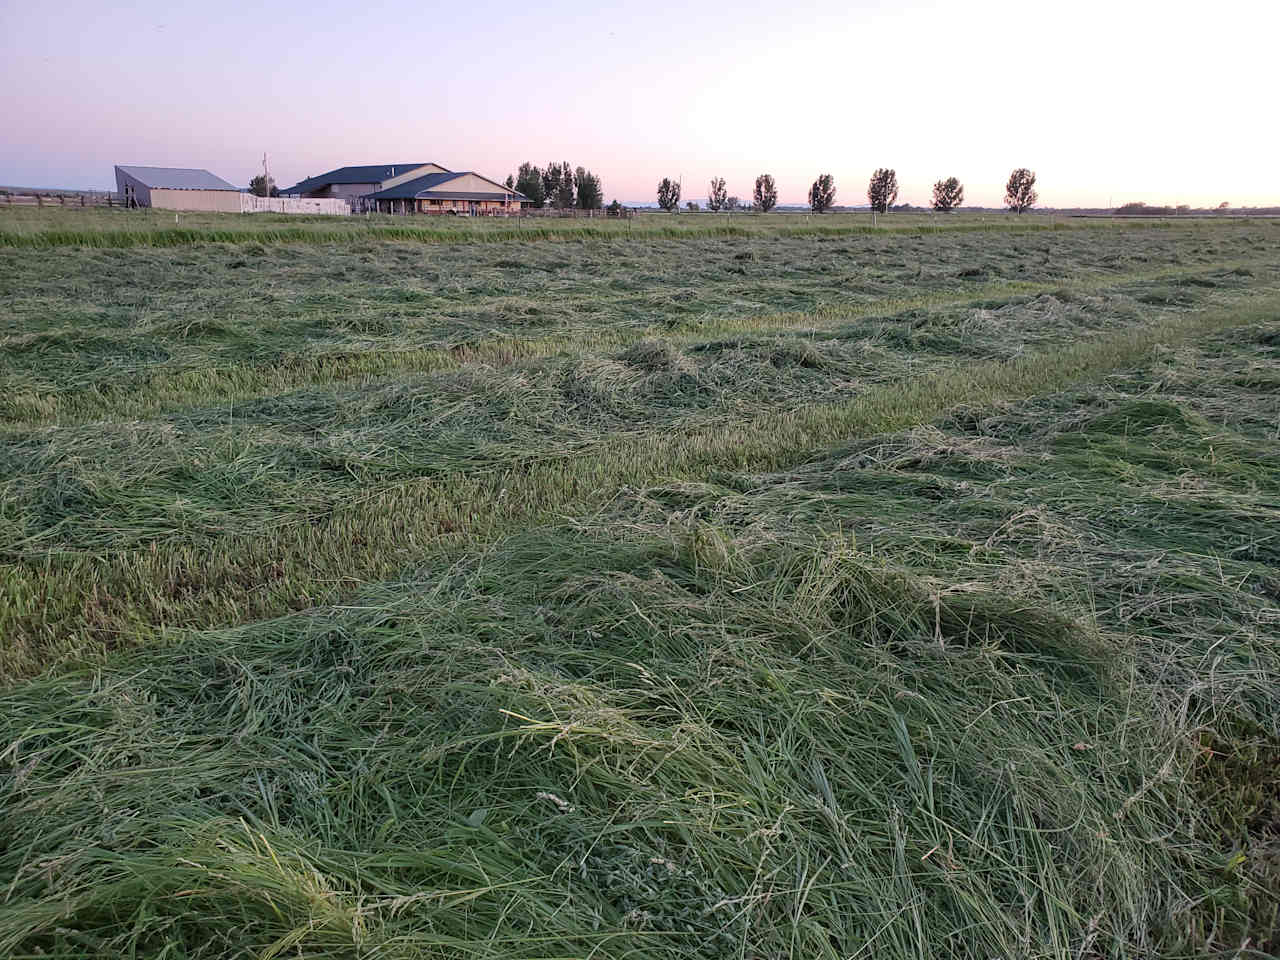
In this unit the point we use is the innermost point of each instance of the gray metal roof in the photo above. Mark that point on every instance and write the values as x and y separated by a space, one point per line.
410 188
425 186
177 178
371 173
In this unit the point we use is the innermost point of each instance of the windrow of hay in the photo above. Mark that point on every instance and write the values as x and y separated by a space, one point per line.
133 376
625 740
72 603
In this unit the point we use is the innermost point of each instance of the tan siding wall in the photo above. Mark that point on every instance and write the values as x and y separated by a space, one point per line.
413 174
471 183
224 201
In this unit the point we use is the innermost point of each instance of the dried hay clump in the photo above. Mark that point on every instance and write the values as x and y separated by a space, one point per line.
658 356
596 381
927 446
797 353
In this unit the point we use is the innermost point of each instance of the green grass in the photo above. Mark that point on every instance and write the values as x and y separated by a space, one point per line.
863 608
49 227
136 332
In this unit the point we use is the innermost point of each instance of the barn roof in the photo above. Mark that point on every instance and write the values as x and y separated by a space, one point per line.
428 186
369 173
176 178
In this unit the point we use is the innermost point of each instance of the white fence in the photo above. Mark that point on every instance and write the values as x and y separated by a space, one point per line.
326 205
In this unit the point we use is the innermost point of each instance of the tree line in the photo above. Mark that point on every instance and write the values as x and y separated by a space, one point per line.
763 198
559 186
882 192
264 186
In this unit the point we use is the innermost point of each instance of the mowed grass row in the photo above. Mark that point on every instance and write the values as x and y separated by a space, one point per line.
64 604
111 321
289 458
1006 684
148 394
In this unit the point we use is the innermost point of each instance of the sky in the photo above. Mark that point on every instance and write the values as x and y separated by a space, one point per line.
1109 101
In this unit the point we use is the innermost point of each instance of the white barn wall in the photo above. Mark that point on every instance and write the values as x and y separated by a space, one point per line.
313 205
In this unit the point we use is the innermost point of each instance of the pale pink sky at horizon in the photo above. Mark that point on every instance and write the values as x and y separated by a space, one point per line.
1164 102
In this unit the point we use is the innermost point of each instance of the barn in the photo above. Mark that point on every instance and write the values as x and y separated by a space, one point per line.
175 188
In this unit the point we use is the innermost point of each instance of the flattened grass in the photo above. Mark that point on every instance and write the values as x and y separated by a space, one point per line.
663 752
111 330
945 630
934 692
139 378
78 603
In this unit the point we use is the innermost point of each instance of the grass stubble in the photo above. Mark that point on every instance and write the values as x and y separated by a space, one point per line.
979 661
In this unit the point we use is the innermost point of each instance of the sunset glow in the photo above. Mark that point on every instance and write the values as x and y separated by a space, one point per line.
1108 102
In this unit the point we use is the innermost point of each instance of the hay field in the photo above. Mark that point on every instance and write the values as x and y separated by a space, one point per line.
72 226
710 590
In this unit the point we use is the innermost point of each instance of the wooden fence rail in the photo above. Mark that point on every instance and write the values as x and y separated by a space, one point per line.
51 199
575 213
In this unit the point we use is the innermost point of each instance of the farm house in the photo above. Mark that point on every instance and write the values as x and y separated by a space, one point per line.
408 188
460 194
351 183
175 188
